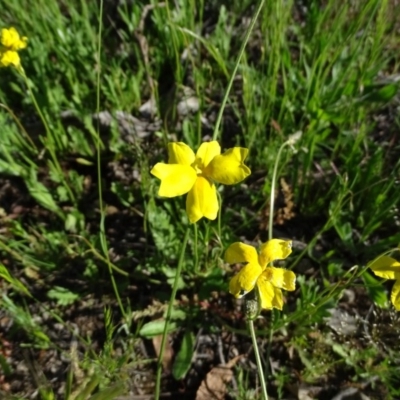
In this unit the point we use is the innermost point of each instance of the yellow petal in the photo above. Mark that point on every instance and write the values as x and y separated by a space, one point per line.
175 179
10 38
277 301
180 153
202 200
8 58
267 293
395 296
240 252
274 249
245 280
270 296
207 152
281 278
385 267
229 168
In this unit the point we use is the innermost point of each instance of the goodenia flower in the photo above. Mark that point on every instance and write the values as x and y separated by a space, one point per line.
11 43
268 279
194 174
11 40
388 268
8 58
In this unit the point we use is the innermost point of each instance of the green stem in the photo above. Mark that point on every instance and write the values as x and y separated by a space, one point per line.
271 215
241 52
169 313
49 146
258 359
219 215
270 336
103 236
196 249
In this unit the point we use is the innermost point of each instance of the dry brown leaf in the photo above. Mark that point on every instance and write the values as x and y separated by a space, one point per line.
213 386
168 352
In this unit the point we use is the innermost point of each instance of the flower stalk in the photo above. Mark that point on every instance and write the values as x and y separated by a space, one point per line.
290 142
239 57
169 313
250 323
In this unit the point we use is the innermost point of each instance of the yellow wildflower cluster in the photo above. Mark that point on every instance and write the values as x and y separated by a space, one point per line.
11 43
257 271
195 174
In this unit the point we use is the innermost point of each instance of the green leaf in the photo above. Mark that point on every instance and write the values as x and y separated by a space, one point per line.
163 229
177 313
344 230
184 357
62 295
170 274
375 290
41 194
155 328
110 393
124 193
74 221
16 284
382 94
25 321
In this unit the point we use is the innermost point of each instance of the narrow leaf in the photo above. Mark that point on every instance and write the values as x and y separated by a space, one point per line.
154 328
184 358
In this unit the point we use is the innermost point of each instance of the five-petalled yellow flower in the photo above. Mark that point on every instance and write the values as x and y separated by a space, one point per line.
269 280
194 174
11 43
388 268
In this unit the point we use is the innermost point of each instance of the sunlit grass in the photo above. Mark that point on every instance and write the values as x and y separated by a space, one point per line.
328 71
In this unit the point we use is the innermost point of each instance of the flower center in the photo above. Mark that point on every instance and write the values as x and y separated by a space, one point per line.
267 274
198 165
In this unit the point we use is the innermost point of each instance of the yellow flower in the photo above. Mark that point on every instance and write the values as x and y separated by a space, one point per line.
8 58
194 174
11 40
389 268
269 280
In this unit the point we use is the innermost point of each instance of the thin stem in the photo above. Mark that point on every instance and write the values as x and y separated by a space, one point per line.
169 312
219 214
241 52
196 248
271 218
270 336
103 237
273 184
258 359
